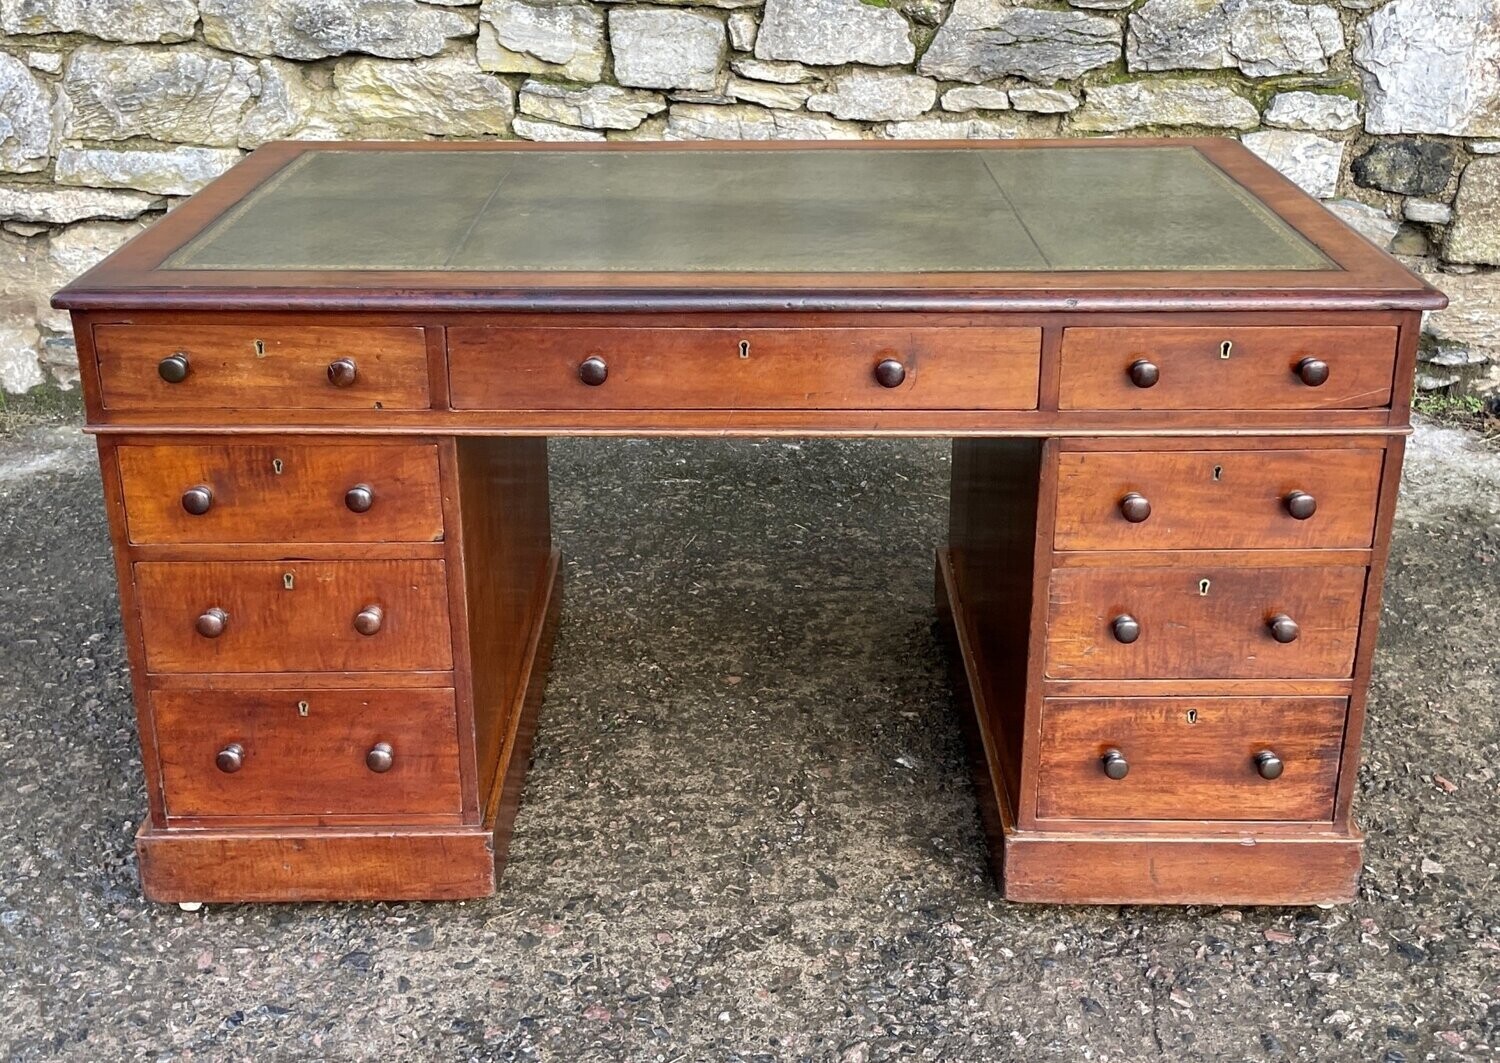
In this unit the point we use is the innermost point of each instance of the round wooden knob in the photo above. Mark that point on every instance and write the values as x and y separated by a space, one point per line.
1115 764
359 498
594 371
380 757
1312 371
1143 373
197 500
368 620
1135 507
212 623
342 373
1268 765
890 373
1284 628
231 758
1126 628
173 368
1300 504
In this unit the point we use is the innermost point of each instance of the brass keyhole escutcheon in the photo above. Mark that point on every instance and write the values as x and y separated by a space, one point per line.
1225 348
1192 716
1218 473
260 348
288 581
744 348
302 708
1203 586
277 465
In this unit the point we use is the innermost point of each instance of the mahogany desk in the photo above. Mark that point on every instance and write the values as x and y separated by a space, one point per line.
1178 393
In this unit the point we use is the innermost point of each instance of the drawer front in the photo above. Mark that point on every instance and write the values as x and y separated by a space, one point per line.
277 367
294 616
280 493
1224 500
1259 370
712 368
1214 623
1190 758
307 753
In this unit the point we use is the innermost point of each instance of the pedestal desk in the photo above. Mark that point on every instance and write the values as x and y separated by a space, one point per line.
1177 390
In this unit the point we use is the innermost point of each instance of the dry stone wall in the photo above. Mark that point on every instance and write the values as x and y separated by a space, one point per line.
110 110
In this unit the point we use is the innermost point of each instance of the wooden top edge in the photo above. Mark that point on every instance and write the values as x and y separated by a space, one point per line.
708 300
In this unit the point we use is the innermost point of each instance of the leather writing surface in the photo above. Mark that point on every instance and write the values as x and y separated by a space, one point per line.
742 210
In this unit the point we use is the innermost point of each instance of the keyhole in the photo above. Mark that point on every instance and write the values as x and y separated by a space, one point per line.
744 348
1203 588
288 580
1225 348
1218 473
1192 716
277 466
302 708
260 348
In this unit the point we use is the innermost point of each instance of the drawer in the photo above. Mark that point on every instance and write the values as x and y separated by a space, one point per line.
1224 500
1190 758
1230 368
1212 623
294 616
277 367
281 493
719 368
307 753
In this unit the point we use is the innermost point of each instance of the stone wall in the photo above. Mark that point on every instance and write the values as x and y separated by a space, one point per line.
110 110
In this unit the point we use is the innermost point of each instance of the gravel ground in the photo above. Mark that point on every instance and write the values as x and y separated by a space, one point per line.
748 833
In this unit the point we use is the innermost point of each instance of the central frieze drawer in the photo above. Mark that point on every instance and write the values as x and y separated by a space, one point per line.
753 368
1323 367
253 493
294 616
1217 500
1209 623
1189 758
303 367
308 753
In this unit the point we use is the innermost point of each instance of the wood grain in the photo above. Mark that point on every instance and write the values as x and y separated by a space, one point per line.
307 628
1258 374
289 368
744 368
1217 499
437 863
1189 758
281 492
1185 634
308 765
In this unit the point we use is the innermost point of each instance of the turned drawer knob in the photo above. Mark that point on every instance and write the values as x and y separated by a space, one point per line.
1268 765
1135 507
1126 628
342 373
368 620
1115 764
231 758
173 368
593 372
1143 373
359 498
890 373
1300 504
1312 371
197 500
212 623
1284 628
380 758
